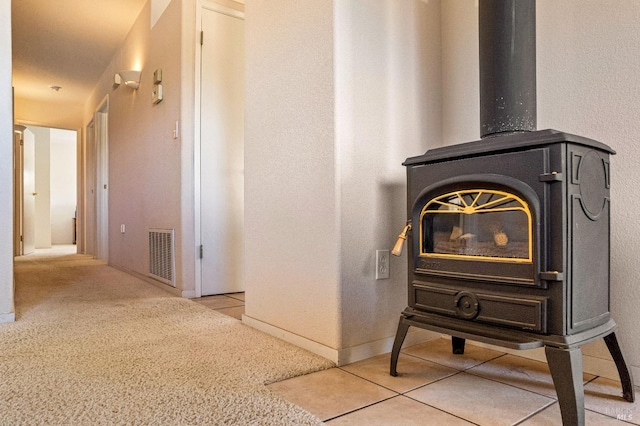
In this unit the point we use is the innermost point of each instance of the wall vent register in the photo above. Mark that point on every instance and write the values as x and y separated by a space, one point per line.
162 256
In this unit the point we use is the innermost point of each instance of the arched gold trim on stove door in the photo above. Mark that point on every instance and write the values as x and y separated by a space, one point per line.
475 201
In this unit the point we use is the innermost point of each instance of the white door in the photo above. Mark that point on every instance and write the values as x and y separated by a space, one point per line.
102 181
222 152
29 192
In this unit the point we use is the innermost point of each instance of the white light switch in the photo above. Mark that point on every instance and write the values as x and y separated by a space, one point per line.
175 131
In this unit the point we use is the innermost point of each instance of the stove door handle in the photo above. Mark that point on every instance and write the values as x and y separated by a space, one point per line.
397 248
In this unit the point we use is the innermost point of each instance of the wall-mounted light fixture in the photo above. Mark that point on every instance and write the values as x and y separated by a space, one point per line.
130 78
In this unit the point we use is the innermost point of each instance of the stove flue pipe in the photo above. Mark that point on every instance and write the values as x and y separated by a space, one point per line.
507 66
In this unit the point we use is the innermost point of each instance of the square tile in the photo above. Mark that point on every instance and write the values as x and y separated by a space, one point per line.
330 393
235 312
412 372
439 351
399 410
520 372
219 301
551 416
605 397
239 296
481 401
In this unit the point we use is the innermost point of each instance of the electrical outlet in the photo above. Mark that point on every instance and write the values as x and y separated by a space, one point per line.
122 228
382 264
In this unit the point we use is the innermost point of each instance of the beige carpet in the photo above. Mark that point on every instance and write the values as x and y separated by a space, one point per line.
93 345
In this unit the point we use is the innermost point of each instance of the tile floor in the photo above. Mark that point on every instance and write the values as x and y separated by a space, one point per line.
231 304
434 387
481 387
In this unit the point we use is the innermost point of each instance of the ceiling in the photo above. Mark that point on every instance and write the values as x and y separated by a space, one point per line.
67 43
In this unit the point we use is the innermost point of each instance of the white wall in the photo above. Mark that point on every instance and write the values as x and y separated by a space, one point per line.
588 65
291 205
394 100
339 94
144 158
460 72
56 185
157 9
152 181
63 185
388 97
43 185
588 84
6 167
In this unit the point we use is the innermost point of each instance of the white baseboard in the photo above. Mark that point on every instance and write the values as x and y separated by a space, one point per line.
189 294
340 356
590 364
383 346
302 342
10 317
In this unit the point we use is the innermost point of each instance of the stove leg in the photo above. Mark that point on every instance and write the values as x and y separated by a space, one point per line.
397 345
457 345
621 365
566 371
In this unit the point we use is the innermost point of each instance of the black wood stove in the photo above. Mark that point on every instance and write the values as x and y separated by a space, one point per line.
508 237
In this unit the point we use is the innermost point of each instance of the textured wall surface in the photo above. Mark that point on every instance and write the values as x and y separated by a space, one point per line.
63 185
388 94
6 166
291 207
588 71
144 158
43 185
338 96
588 63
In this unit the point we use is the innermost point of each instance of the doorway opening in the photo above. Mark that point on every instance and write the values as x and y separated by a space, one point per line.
46 188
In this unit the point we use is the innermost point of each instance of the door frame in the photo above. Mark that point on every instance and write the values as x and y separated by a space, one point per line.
101 141
89 185
20 201
81 167
200 5
18 191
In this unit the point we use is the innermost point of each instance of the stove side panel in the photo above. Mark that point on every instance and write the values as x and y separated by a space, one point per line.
588 238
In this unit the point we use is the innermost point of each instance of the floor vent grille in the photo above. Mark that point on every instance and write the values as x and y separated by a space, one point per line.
161 256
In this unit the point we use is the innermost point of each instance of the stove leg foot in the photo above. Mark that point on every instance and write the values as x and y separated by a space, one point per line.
397 345
566 371
625 378
457 345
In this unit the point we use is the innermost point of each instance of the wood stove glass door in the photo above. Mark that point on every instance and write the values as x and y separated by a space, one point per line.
477 224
